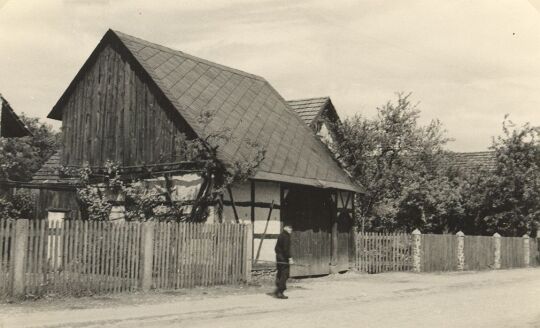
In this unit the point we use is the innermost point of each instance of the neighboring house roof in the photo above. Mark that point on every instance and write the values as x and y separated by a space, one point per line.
471 161
309 109
11 125
245 104
50 171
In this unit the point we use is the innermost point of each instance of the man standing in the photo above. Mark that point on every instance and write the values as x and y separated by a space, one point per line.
283 259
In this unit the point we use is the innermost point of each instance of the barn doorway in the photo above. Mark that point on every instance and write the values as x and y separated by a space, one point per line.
311 212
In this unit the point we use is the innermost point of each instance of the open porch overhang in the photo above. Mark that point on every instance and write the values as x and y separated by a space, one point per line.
267 176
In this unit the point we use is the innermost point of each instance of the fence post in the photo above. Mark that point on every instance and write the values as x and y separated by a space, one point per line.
460 251
248 252
416 250
147 253
526 251
19 256
497 251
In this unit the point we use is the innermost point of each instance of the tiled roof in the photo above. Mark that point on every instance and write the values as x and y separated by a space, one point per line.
10 124
246 105
472 160
50 171
309 109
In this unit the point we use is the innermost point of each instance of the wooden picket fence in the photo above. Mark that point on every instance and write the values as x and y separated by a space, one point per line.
91 257
7 235
188 255
512 254
382 252
439 253
534 253
479 253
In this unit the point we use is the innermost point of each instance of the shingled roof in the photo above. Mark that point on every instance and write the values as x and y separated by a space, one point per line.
472 160
245 104
49 173
11 125
309 109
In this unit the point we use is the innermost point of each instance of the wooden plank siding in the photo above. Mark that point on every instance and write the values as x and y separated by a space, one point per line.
113 114
59 200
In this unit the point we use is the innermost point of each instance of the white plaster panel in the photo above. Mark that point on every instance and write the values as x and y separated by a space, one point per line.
241 192
265 192
267 250
344 195
261 214
244 213
274 227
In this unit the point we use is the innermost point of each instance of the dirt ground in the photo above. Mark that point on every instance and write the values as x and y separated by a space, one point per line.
505 298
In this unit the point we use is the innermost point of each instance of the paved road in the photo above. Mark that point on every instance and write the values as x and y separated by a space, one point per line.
507 298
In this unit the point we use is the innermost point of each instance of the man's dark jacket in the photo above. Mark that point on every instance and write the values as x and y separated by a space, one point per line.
283 247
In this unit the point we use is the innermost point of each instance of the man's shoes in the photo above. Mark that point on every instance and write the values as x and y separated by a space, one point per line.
281 296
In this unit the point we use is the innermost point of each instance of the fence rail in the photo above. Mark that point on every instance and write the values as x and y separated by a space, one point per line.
88 257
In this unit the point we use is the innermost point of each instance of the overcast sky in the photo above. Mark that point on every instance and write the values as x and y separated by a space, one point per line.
468 63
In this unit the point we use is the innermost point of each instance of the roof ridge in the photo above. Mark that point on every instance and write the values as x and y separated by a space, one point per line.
187 56
472 152
308 99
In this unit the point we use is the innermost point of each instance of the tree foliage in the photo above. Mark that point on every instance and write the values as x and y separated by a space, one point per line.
19 205
506 199
20 158
410 181
397 162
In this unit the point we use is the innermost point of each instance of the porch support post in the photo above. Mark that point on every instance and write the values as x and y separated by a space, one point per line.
334 255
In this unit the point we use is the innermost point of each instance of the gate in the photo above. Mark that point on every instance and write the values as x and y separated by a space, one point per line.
311 252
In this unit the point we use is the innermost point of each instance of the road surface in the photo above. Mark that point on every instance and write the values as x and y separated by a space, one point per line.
505 298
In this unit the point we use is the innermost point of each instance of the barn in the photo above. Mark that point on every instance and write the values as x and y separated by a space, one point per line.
131 101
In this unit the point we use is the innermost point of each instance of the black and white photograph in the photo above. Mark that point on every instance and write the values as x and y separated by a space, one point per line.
269 163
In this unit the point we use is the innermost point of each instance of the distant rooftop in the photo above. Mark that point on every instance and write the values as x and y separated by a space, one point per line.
11 125
309 109
473 160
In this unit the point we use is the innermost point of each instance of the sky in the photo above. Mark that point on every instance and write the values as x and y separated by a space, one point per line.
467 63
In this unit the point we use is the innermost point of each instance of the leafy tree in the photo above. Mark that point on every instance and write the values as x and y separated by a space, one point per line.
16 206
398 162
411 183
506 199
